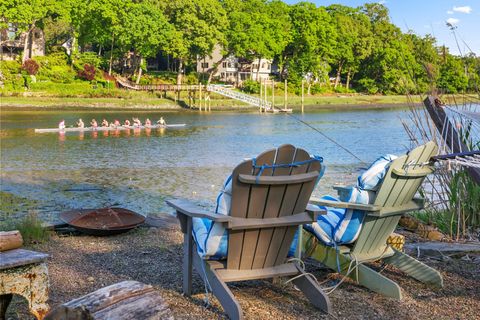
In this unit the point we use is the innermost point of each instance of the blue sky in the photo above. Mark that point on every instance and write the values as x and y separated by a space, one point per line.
430 16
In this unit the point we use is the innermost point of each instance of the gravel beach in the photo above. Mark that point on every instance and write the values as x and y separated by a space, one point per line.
81 264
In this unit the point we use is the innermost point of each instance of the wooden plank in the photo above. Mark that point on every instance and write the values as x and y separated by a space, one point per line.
282 270
256 208
188 257
274 180
415 268
124 300
239 208
20 257
295 220
285 154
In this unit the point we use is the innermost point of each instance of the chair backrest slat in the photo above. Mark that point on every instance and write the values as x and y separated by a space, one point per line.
259 248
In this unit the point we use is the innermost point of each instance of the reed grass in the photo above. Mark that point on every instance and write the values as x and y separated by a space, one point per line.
453 198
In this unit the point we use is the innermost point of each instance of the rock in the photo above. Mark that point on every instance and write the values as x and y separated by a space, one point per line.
436 249
90 279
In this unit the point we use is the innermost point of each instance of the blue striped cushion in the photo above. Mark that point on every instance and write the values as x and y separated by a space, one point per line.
342 226
371 178
212 238
339 225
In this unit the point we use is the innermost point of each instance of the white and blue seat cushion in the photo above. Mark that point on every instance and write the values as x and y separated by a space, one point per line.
212 238
342 226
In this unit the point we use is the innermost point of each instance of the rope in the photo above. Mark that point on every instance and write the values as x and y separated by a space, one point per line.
282 165
327 137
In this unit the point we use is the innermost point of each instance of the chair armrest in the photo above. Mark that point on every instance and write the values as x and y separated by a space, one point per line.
315 210
248 223
346 205
341 187
415 204
192 210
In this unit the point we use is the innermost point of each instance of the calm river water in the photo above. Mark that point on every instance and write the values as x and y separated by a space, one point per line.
139 170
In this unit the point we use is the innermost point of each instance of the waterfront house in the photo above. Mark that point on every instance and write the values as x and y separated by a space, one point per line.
12 43
234 69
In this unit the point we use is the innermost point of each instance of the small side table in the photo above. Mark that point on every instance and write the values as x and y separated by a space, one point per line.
25 273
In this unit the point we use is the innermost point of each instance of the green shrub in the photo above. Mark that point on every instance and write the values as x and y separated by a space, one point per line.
58 58
58 74
191 78
368 85
10 69
317 88
90 58
251 86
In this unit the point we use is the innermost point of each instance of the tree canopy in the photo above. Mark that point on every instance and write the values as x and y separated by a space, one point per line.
360 48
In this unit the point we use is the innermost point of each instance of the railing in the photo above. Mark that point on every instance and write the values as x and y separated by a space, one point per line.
254 101
222 90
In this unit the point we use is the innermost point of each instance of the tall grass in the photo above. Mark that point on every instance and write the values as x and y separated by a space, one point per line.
453 198
30 227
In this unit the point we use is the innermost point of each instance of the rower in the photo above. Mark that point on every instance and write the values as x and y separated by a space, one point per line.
162 122
94 123
80 123
104 123
61 125
127 123
137 122
148 123
116 123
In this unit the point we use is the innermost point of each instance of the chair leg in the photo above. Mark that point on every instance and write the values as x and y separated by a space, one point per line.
366 277
415 268
219 289
313 293
187 258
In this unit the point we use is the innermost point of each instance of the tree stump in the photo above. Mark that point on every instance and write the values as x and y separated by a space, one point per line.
120 301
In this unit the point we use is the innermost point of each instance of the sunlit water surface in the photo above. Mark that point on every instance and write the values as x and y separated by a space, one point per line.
139 170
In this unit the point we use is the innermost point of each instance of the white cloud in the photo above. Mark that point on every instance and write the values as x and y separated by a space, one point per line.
449 12
453 21
382 1
464 9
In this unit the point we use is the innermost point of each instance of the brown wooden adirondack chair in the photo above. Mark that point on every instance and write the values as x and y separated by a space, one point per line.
394 197
266 211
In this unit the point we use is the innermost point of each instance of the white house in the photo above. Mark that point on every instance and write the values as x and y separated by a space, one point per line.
233 69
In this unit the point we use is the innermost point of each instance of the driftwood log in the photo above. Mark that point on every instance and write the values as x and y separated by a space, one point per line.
10 240
121 301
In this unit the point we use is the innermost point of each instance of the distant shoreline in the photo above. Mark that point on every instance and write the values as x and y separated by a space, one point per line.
312 103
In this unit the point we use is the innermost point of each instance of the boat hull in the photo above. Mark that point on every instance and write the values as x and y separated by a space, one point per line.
119 128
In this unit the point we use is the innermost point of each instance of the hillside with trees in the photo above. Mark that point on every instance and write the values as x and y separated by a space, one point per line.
359 47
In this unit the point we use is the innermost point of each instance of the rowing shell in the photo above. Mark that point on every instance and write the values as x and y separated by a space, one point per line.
86 129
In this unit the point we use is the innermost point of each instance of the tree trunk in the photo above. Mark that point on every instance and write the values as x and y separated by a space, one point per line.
348 78
26 44
339 72
258 69
111 56
309 87
179 74
139 70
100 51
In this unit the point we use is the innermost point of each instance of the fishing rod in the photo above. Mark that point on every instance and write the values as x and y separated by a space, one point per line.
327 137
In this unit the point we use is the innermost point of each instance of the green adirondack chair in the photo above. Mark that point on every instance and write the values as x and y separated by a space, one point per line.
395 196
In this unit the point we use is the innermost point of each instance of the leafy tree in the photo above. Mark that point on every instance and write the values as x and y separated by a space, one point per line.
452 75
199 26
